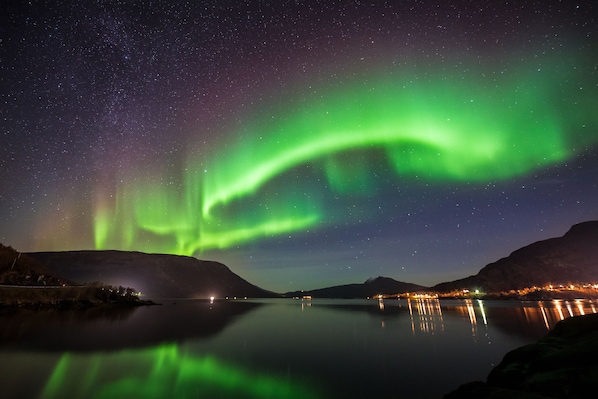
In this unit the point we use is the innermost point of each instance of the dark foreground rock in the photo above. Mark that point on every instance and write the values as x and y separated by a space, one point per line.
563 364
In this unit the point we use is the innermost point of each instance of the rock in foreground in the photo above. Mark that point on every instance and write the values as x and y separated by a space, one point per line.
563 364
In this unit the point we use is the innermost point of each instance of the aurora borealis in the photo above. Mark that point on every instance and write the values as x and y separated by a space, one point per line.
439 131
303 144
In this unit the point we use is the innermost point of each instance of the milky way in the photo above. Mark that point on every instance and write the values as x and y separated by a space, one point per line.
302 143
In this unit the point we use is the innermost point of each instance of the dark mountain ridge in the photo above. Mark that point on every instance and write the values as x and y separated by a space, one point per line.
154 275
370 288
570 259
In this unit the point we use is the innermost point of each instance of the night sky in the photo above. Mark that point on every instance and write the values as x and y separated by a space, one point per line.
302 143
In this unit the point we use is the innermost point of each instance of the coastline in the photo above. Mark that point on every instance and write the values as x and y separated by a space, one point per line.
67 297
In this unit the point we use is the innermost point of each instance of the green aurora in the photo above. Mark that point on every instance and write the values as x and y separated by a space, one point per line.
272 175
160 372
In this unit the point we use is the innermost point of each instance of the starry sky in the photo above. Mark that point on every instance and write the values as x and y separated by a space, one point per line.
302 143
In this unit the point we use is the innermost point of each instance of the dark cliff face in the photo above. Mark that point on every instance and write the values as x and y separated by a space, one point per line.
155 275
572 258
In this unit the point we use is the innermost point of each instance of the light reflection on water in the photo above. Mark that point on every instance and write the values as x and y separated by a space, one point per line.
426 314
270 348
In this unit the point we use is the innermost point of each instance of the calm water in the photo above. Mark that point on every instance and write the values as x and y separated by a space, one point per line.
268 348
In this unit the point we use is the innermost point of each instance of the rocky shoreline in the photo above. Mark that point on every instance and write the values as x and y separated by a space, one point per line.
563 364
67 297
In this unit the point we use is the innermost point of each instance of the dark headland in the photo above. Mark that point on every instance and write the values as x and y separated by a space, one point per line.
26 283
570 261
557 268
154 275
112 277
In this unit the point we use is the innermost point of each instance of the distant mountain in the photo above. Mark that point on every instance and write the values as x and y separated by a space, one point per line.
370 288
572 258
155 275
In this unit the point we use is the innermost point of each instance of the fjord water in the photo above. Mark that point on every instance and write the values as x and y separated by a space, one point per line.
281 348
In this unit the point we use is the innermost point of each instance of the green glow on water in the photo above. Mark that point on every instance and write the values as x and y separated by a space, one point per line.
58 375
163 372
438 126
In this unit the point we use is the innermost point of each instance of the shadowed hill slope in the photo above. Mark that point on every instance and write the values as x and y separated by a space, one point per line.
155 275
572 258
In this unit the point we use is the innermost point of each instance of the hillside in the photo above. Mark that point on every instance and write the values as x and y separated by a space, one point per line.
570 259
154 275
26 282
19 269
370 288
